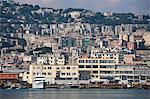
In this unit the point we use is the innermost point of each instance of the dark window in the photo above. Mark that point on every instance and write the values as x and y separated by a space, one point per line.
95 66
88 66
95 72
81 66
49 73
81 61
142 77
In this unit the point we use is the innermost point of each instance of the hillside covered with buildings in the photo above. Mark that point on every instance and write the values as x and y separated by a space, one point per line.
72 45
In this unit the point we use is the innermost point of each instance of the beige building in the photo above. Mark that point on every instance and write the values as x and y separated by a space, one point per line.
129 58
104 67
132 74
146 38
59 74
97 66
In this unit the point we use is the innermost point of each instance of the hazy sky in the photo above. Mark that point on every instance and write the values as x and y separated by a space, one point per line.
135 6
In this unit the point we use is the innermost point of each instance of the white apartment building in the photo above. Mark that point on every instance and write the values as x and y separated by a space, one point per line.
51 59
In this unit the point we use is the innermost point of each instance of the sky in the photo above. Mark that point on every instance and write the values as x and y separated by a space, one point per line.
134 6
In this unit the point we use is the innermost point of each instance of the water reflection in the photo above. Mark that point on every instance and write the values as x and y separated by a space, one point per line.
76 94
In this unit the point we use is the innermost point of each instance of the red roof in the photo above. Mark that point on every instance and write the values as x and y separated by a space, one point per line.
8 76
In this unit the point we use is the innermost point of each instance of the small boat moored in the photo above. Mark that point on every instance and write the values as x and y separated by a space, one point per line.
39 82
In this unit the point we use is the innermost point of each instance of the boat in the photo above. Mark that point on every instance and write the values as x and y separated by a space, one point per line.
14 86
129 86
38 83
71 85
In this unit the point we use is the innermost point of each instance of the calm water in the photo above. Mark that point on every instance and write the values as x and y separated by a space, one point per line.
75 94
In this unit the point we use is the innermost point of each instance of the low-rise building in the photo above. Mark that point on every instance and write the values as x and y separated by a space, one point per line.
54 74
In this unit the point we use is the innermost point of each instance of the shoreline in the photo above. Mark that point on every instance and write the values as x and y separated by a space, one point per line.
106 86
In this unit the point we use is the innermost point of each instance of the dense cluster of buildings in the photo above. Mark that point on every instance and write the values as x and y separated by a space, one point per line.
76 53
81 53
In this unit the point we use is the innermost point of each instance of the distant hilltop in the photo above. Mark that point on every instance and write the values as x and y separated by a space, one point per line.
16 13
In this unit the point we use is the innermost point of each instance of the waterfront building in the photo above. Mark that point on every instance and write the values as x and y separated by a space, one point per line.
104 67
8 78
99 64
54 74
132 74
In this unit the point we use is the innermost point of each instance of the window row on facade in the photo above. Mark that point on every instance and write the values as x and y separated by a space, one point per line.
96 61
96 66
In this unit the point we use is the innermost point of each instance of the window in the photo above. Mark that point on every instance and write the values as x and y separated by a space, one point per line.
88 61
130 77
111 61
49 73
94 61
88 66
60 57
148 77
44 73
95 72
62 73
33 73
73 73
143 77
68 74
106 61
136 77
44 67
106 72
81 61
106 66
100 61
95 66
68 67
111 55
81 66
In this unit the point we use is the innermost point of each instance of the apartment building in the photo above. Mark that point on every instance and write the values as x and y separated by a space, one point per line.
98 65
104 67
54 74
132 74
51 59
